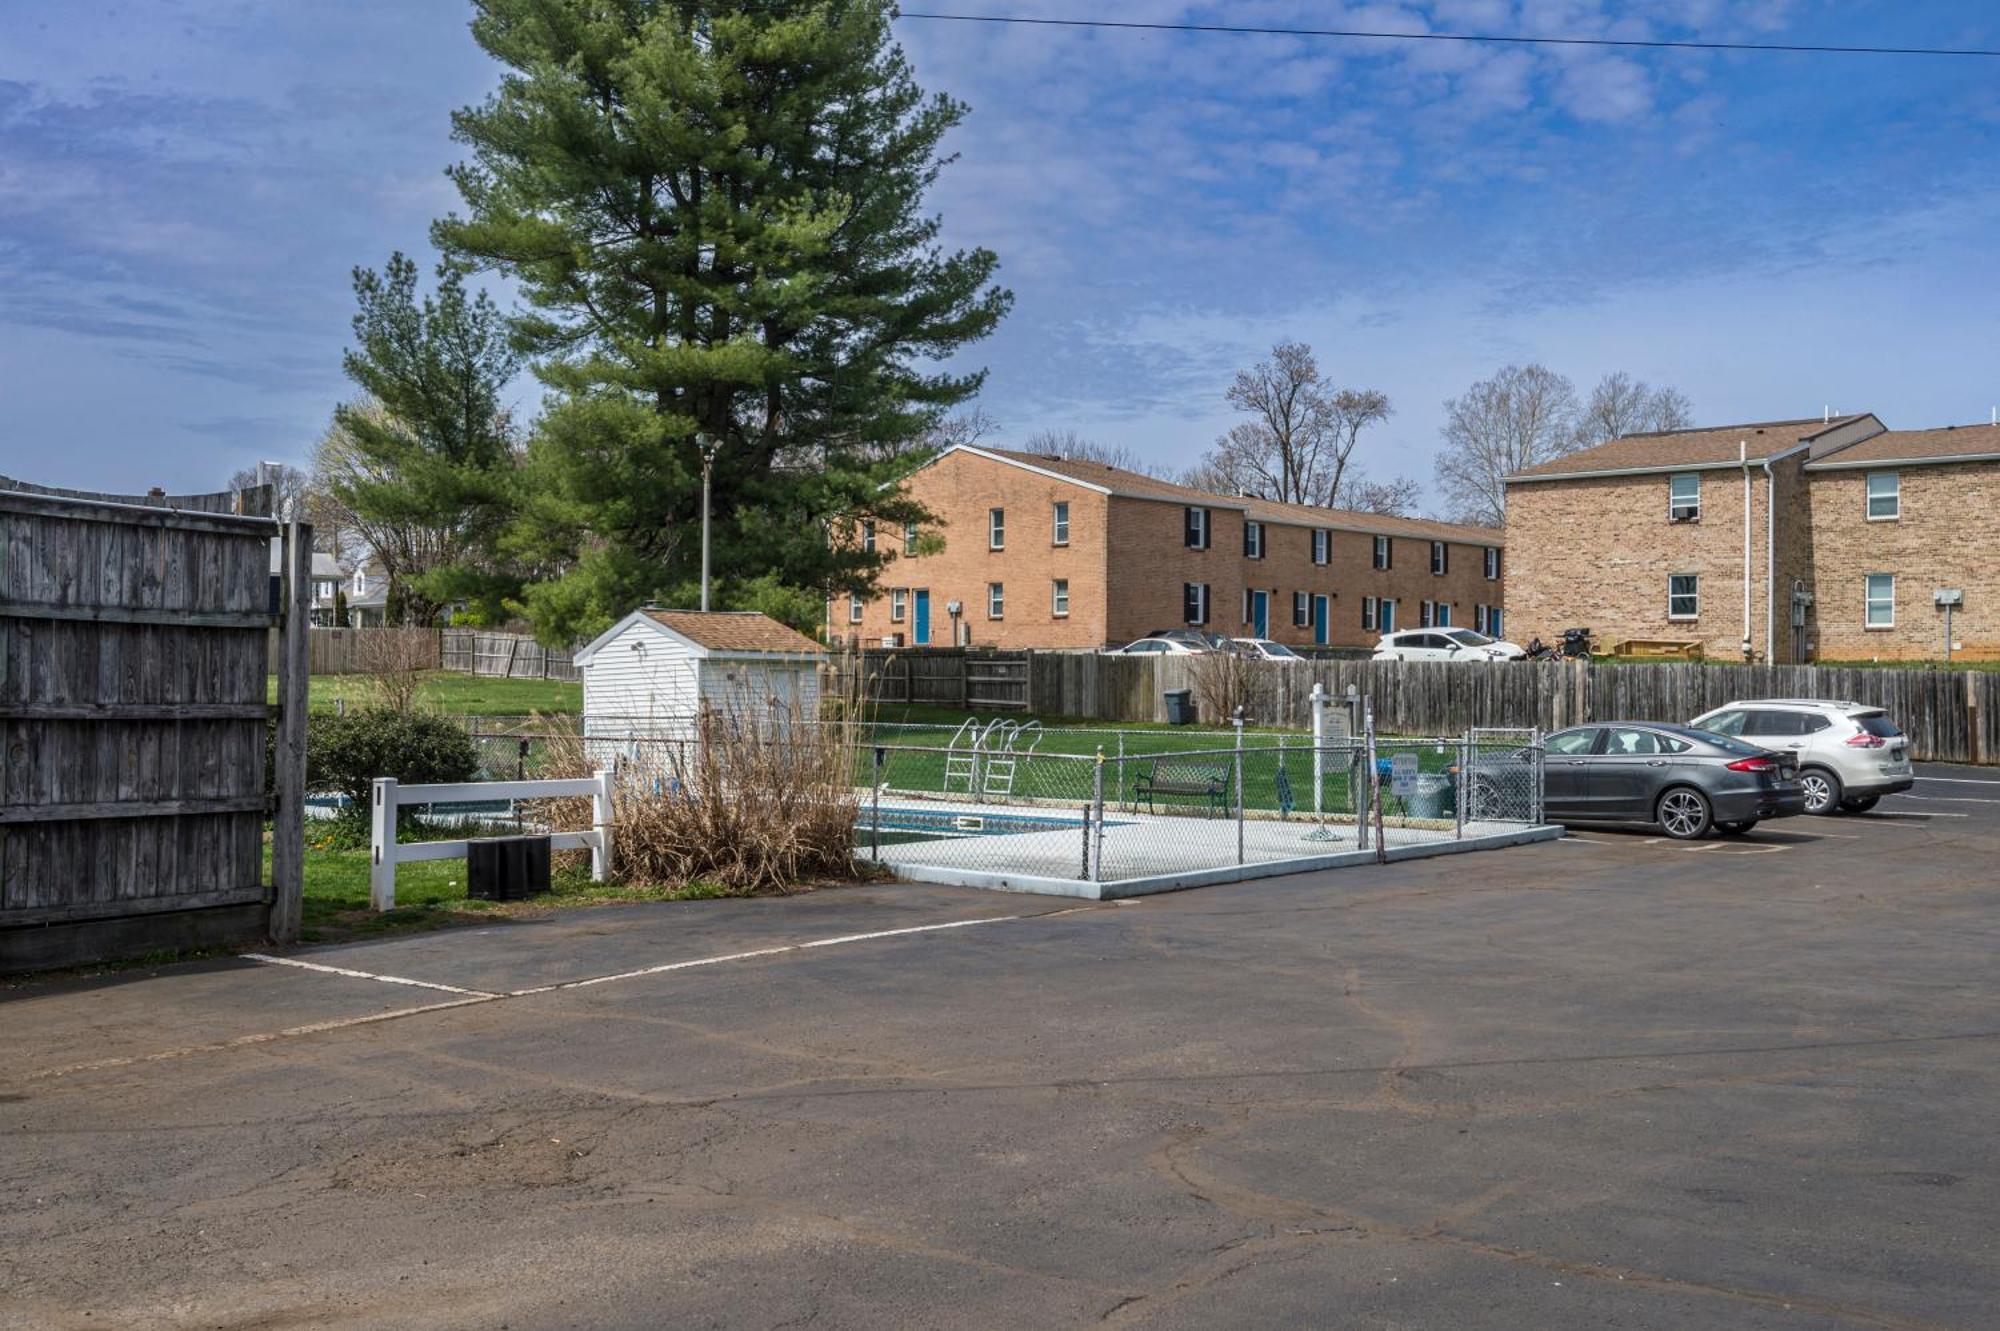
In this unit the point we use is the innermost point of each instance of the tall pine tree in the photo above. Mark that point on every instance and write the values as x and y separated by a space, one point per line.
713 210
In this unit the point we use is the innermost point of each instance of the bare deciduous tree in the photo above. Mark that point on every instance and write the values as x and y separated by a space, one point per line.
1069 444
1298 445
1523 415
1621 404
289 487
1398 498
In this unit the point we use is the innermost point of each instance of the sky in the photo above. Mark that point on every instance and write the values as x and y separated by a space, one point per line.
185 186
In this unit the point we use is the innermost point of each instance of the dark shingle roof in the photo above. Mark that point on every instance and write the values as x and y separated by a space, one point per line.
1134 485
1948 443
1708 447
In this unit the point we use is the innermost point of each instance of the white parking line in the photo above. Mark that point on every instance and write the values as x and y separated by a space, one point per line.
1960 780
1912 813
1947 799
366 975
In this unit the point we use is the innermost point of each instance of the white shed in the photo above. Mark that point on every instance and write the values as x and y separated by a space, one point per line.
654 673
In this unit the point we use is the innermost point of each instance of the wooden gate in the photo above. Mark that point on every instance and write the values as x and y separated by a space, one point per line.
133 723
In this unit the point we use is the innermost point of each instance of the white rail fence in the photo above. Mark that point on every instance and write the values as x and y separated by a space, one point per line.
385 853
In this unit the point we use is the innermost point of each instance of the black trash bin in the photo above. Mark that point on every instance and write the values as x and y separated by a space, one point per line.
1180 707
507 868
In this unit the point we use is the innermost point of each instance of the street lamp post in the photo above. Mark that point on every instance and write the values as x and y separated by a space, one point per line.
708 449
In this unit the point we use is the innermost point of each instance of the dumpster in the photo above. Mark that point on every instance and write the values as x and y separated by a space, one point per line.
1180 706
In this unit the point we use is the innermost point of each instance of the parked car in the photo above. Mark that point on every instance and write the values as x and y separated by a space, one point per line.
1684 780
1164 645
1849 755
1265 650
1445 644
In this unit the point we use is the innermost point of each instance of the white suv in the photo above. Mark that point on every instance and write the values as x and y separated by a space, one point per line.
1850 755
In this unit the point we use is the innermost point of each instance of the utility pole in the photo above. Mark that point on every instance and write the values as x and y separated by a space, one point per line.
708 449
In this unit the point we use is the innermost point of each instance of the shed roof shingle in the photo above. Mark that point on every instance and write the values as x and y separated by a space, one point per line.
1710 446
1947 443
1134 485
735 631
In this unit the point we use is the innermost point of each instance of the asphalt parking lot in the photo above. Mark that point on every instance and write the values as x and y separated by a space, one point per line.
1609 1081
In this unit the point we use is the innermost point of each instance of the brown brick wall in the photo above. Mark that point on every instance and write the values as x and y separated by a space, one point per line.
1947 536
1127 564
1598 552
960 489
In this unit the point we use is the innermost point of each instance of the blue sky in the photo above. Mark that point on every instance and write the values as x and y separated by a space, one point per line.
185 184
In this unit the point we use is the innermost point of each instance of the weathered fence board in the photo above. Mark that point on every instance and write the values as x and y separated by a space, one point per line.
132 721
366 651
504 656
1949 716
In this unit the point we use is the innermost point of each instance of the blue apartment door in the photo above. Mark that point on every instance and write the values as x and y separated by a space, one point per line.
1260 613
920 631
1319 621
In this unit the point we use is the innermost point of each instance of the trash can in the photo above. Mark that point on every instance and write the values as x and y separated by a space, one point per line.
1432 797
1180 706
509 868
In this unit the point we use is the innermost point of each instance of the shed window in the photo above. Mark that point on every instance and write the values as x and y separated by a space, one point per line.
1683 596
996 529
1885 496
1881 608
1059 523
1684 497
996 600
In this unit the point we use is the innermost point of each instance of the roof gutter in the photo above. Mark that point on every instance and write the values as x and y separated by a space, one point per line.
1653 470
1879 464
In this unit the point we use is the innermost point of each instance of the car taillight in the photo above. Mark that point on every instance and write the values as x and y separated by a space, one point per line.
1753 765
1864 740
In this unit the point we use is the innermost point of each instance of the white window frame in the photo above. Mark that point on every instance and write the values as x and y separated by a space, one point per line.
1368 614
996 600
1384 553
996 529
1059 597
1478 617
1492 563
1253 539
1198 519
868 536
909 536
1694 596
1200 598
1869 600
1675 505
1895 496
854 608
899 604
1302 610
1322 545
1059 522
1425 612
1440 559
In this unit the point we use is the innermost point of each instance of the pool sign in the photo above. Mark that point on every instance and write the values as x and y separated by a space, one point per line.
1403 773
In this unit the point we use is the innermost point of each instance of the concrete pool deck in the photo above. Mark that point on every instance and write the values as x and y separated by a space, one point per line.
1146 853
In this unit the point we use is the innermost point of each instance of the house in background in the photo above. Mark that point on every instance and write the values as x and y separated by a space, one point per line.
1786 541
327 575
1043 551
368 595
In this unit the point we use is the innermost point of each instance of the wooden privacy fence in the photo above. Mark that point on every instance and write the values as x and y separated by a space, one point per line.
1950 716
505 656
133 723
364 651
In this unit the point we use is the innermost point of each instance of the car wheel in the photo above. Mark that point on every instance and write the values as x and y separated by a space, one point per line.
1822 790
1860 803
1684 813
1736 829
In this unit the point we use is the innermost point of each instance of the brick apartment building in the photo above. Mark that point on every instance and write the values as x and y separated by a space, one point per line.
1043 551
1852 531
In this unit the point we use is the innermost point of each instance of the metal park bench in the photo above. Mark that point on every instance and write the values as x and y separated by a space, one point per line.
1192 780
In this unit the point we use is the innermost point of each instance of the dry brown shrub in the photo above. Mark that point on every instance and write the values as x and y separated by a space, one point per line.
1225 680
394 660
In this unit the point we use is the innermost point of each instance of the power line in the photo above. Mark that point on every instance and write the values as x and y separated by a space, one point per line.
1798 48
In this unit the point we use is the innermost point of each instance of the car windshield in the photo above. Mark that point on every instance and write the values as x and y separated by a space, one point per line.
1469 638
1729 743
1270 648
1878 724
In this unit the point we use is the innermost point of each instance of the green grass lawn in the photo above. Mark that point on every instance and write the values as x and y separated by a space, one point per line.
455 694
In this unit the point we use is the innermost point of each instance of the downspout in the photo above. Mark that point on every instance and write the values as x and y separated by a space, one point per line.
1770 564
1743 461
